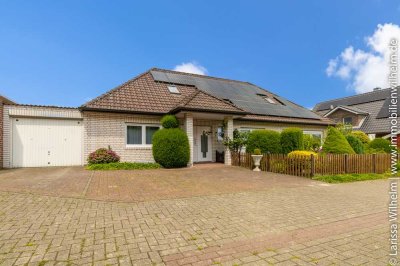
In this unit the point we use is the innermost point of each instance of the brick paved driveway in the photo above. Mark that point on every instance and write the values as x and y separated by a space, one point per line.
201 216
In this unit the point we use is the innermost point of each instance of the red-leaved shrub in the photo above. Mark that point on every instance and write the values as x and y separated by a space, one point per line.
103 155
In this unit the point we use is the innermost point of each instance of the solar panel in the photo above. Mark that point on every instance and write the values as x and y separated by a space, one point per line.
243 95
384 112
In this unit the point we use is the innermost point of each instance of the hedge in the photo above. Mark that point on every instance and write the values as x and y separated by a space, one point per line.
171 148
268 141
336 143
292 139
355 143
306 154
380 144
169 121
361 136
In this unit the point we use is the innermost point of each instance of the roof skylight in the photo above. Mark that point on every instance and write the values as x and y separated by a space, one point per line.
173 89
270 100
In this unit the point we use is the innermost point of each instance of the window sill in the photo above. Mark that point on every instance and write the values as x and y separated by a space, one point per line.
138 147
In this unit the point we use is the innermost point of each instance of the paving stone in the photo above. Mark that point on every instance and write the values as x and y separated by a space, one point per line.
199 216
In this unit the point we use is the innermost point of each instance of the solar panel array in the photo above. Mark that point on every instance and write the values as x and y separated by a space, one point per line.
243 95
384 112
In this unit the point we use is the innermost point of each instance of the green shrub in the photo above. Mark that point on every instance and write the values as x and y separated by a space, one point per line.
380 144
238 142
169 121
311 143
291 139
102 156
123 166
345 178
257 152
268 141
355 143
361 136
336 143
305 154
171 148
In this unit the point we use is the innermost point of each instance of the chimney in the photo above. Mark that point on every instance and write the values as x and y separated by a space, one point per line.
377 89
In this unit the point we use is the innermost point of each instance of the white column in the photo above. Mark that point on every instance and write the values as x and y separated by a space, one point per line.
228 133
189 132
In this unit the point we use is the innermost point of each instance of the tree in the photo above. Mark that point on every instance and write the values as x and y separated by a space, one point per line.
238 142
336 143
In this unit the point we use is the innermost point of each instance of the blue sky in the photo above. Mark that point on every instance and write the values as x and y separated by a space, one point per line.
66 52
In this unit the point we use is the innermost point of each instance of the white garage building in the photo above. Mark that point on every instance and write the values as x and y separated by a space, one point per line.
36 136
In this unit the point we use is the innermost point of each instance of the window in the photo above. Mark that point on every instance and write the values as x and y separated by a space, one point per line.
348 120
173 89
314 134
140 135
270 100
220 134
248 129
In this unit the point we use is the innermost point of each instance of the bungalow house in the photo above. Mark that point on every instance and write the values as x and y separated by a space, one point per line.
368 112
126 117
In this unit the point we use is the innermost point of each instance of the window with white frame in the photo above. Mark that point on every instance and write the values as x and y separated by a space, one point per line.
348 120
140 135
315 134
248 129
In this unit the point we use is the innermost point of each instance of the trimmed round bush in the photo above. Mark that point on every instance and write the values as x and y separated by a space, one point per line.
292 139
361 136
336 143
355 143
102 156
169 121
380 144
268 141
257 152
301 154
171 148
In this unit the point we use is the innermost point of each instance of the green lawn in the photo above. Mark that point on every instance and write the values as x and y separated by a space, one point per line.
123 166
345 178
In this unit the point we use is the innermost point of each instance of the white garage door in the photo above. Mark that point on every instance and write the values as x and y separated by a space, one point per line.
46 142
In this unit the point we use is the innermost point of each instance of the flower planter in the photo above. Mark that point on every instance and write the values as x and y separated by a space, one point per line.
257 160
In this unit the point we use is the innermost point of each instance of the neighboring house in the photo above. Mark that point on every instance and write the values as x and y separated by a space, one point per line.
3 101
368 112
126 117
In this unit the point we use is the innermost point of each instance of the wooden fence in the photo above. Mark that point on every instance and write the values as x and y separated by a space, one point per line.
327 164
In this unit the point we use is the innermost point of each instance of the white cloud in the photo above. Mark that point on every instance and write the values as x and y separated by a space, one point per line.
365 70
191 67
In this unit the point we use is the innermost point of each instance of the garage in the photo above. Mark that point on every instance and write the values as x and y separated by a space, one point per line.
38 136
46 142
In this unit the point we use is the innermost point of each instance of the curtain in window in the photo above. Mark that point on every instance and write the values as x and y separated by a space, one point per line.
204 144
149 134
134 135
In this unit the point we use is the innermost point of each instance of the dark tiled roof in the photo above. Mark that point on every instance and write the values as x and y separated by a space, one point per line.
372 96
352 109
374 103
5 100
144 94
244 95
277 119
